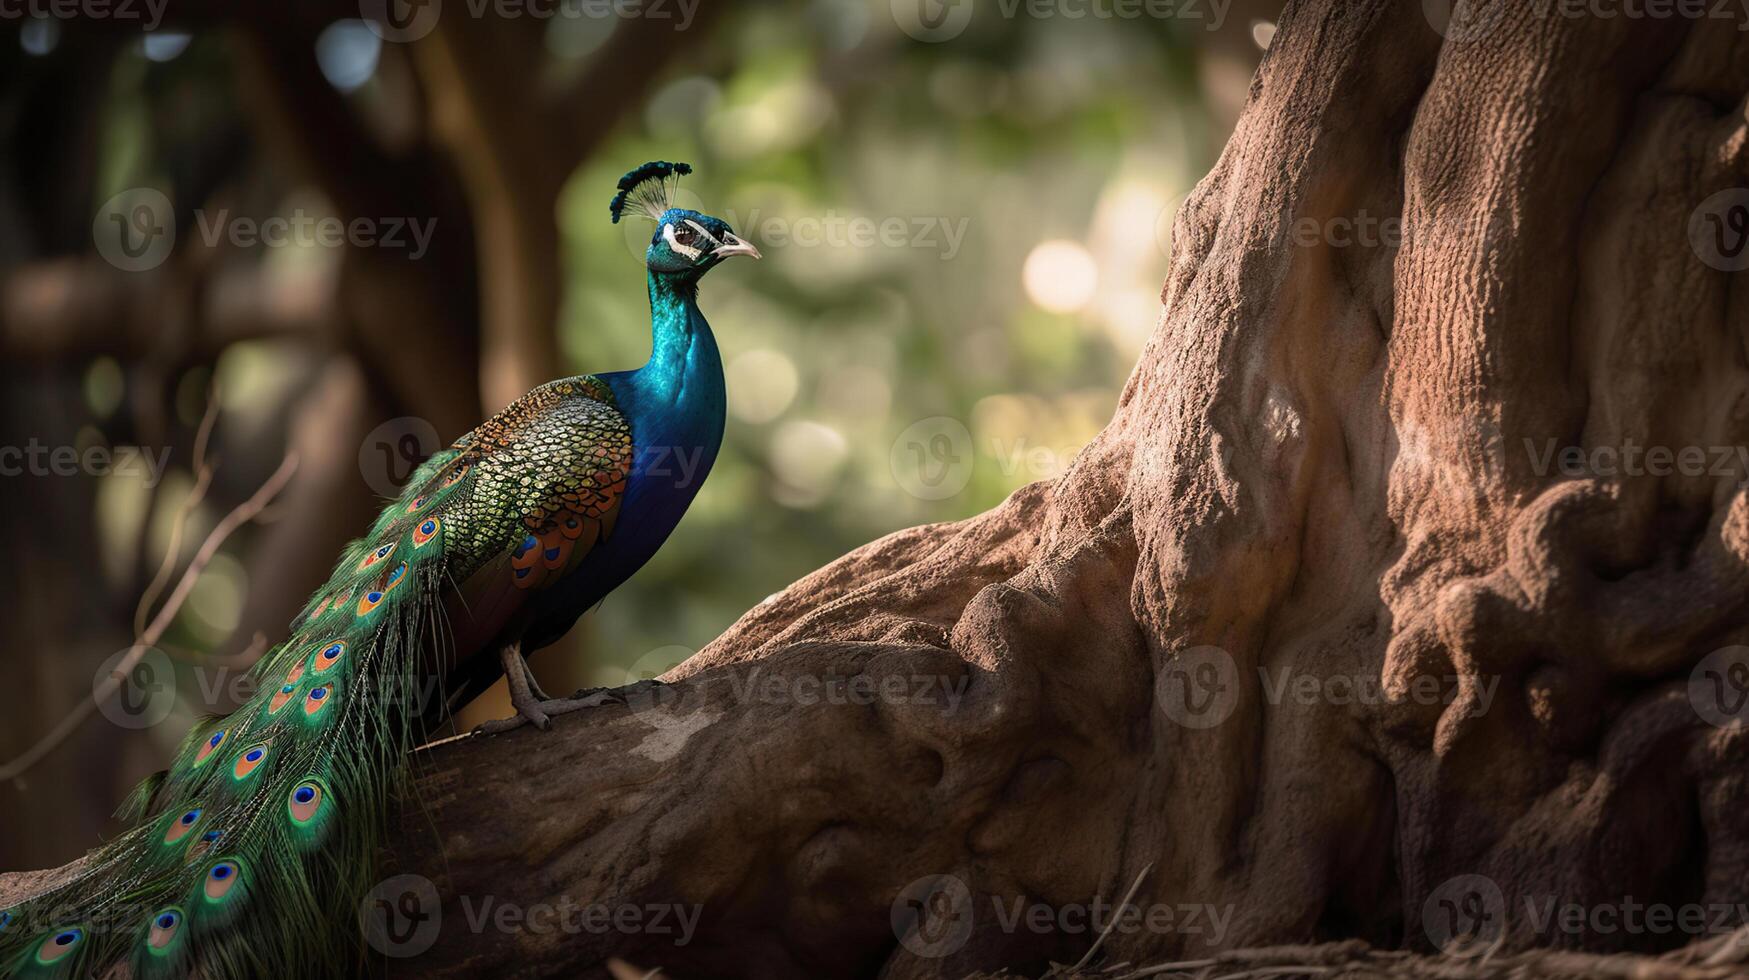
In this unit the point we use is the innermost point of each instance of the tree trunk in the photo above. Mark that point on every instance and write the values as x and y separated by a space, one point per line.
1328 634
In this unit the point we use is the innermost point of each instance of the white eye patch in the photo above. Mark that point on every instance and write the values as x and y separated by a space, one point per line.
686 251
701 230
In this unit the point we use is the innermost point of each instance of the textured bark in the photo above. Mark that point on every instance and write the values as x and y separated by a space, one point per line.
1324 467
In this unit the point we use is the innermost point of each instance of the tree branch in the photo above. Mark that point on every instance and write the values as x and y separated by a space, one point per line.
68 309
242 514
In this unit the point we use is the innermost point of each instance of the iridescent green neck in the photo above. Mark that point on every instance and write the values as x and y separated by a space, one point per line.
682 350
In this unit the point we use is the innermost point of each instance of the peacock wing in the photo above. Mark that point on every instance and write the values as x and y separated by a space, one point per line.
540 502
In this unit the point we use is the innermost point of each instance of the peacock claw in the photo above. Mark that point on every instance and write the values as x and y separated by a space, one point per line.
533 705
540 713
526 695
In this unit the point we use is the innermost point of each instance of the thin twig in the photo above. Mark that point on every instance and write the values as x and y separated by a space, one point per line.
1730 948
1182 966
203 478
1087 957
242 514
1350 956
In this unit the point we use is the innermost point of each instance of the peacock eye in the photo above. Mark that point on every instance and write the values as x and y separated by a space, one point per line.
58 945
685 234
179 828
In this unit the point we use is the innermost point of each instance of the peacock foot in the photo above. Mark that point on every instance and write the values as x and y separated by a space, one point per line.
533 705
540 712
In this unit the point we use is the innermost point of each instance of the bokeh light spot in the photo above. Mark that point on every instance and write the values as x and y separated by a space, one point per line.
807 458
762 383
347 52
39 35
164 45
1060 276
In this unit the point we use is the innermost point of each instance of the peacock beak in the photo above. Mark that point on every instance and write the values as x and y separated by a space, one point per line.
734 245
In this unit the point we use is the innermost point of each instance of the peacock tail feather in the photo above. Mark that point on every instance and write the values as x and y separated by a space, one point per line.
251 851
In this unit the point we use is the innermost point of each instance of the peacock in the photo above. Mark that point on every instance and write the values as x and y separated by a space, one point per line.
248 855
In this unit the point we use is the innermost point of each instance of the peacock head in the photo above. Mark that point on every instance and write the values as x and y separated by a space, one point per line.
686 243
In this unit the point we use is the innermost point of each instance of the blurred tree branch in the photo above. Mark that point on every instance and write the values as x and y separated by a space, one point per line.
71 309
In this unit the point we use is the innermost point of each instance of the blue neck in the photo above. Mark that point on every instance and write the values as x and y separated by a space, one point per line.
685 370
677 402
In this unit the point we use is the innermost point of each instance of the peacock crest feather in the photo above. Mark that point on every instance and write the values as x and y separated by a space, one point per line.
648 190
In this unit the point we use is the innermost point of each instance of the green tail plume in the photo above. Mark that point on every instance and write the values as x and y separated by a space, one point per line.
265 826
